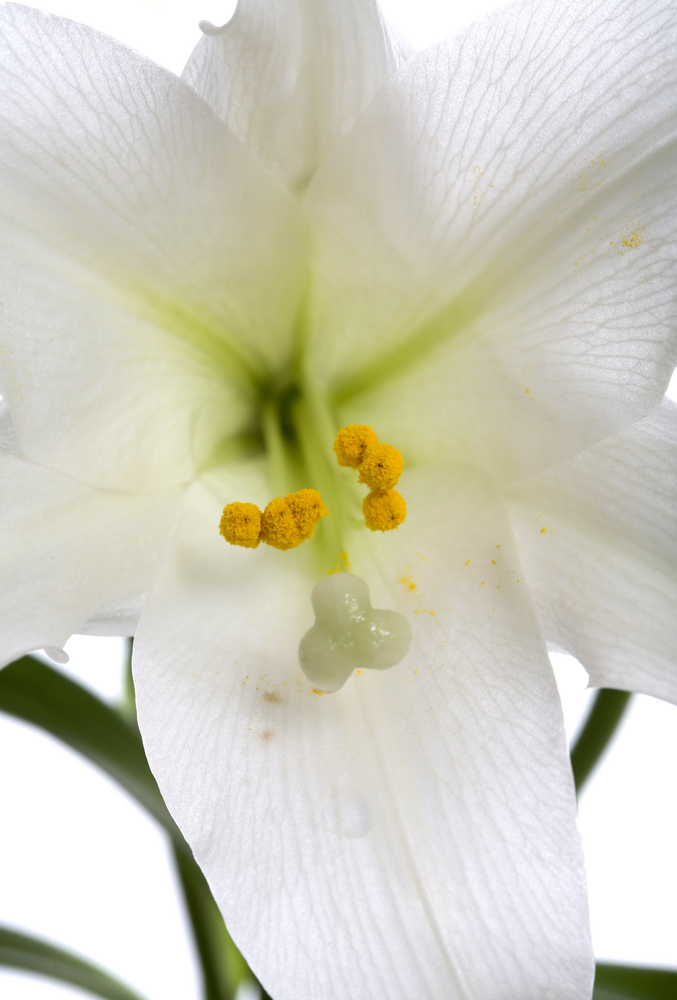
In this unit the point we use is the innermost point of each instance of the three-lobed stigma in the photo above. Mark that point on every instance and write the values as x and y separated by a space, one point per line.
380 467
285 523
349 634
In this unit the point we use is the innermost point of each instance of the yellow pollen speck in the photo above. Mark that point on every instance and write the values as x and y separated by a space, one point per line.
632 240
384 510
467 562
542 531
493 562
342 565
381 467
241 524
352 442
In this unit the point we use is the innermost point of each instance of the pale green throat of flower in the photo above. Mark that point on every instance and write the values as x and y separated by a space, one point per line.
348 633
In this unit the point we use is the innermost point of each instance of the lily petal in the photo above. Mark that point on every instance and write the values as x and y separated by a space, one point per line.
147 248
414 834
290 77
598 540
495 239
72 558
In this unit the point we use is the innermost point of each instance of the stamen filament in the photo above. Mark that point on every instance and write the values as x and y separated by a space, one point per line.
312 423
276 450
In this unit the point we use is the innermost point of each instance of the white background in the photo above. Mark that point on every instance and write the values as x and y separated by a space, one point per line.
82 865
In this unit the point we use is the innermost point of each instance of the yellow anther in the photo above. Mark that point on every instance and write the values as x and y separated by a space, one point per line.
288 521
384 510
241 524
284 524
352 442
381 467
307 508
278 527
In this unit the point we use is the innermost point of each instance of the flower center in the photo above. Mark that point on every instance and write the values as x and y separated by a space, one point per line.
288 521
348 633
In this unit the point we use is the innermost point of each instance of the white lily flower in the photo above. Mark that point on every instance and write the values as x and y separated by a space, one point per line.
472 252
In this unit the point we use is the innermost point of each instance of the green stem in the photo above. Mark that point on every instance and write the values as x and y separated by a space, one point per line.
315 433
627 982
608 708
223 967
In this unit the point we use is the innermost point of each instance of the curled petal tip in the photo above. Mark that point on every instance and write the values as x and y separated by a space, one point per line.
207 28
56 655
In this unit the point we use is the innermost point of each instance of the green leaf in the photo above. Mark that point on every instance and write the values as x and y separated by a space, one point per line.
36 693
20 951
32 691
627 982
608 708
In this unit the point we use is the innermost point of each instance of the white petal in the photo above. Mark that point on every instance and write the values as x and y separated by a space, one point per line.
153 267
291 76
411 836
598 540
496 239
72 558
